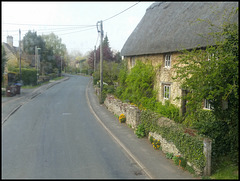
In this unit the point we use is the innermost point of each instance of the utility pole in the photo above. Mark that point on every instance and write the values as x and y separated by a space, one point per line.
20 72
61 66
95 66
101 62
36 61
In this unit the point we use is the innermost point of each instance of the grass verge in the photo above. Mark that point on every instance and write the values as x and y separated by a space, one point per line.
225 169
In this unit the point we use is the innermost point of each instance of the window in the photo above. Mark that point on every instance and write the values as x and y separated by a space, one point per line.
167 60
207 104
132 61
166 91
210 56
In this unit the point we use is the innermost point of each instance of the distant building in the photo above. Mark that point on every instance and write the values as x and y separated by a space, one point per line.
12 53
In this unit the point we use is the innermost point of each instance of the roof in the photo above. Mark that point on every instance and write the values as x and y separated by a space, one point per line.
171 26
9 48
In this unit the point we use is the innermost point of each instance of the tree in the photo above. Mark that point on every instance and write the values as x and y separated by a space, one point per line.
108 54
4 60
55 51
212 74
30 40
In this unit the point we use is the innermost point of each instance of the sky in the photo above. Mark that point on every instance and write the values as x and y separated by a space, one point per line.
74 22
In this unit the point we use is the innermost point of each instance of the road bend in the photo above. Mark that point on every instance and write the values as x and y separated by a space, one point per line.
55 135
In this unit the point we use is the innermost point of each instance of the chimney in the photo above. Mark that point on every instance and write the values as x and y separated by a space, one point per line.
10 40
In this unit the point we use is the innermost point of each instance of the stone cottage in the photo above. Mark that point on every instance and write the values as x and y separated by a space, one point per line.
165 29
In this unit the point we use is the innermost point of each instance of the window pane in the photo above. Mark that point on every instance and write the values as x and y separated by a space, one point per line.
166 91
167 60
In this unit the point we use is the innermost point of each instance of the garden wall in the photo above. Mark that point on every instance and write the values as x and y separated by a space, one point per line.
117 107
132 114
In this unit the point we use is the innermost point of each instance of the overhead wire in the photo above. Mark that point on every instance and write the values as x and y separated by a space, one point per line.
69 27
78 31
121 12
46 24
115 16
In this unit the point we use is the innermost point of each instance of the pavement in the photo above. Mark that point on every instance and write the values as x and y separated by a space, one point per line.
153 162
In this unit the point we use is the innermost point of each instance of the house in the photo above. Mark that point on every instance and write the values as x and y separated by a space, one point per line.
165 29
12 54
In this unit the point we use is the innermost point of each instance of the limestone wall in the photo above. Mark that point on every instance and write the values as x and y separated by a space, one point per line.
117 107
132 114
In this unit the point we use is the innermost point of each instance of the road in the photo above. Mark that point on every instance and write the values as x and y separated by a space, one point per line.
55 135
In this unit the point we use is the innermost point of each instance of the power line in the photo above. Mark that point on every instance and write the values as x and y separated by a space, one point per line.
47 25
78 31
56 30
121 12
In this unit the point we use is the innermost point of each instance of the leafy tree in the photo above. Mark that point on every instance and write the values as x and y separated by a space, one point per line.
212 74
110 73
55 51
137 85
108 54
4 60
30 40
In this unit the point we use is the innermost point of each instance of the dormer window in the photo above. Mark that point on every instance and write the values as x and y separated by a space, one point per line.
168 60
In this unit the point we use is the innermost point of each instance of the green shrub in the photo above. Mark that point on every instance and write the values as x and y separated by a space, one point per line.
29 76
180 161
169 155
137 87
138 83
220 133
140 131
190 146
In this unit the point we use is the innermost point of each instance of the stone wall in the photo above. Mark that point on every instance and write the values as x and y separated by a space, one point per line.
117 107
169 147
132 114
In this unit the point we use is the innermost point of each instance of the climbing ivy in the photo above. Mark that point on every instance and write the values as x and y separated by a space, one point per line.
136 86
190 146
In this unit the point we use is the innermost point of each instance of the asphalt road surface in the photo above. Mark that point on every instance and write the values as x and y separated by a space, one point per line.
55 135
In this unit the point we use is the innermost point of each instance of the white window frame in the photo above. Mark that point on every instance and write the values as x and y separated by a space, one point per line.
166 95
167 62
207 105
132 61
210 56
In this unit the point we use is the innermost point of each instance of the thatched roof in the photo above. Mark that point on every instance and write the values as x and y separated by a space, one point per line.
172 26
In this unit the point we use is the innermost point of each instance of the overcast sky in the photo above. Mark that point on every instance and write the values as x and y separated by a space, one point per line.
77 37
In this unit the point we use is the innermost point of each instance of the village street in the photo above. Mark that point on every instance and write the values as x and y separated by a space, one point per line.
56 135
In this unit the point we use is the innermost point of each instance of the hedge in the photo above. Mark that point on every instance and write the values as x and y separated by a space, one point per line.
29 76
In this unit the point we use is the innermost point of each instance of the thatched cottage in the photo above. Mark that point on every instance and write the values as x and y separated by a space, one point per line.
165 29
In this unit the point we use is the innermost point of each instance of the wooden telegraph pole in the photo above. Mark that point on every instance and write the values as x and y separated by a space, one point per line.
101 60
94 61
20 72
